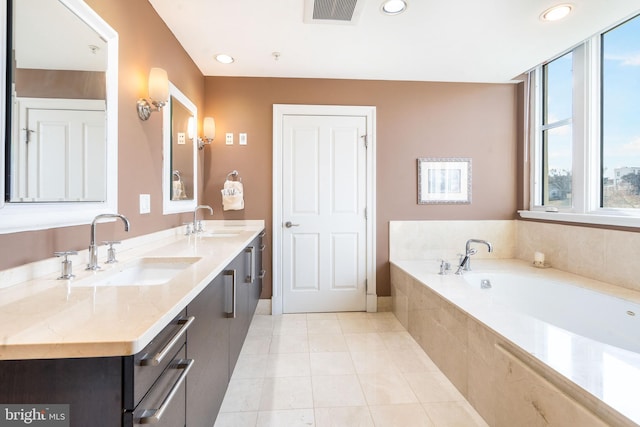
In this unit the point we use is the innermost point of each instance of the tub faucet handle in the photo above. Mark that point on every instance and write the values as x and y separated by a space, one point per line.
444 267
66 265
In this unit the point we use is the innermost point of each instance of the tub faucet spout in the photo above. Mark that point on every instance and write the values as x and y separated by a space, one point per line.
465 263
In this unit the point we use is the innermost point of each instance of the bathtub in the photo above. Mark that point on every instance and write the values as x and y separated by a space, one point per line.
580 337
601 317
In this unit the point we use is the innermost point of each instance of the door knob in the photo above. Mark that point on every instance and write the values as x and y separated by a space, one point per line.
289 224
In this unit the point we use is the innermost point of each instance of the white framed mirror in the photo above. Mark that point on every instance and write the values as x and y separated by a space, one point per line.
53 179
180 153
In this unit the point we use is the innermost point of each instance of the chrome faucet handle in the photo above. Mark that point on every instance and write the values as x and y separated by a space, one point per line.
187 229
66 266
111 252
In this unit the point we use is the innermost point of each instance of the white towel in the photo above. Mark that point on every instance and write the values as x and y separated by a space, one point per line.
232 196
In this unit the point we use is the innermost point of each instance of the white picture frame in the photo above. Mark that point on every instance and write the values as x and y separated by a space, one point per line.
444 180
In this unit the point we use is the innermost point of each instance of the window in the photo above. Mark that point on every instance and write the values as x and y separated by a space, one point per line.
556 131
586 133
621 116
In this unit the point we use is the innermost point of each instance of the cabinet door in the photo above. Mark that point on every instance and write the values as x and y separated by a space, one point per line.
262 246
237 324
208 345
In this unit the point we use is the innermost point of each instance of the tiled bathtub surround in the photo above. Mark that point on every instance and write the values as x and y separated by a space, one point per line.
513 368
506 384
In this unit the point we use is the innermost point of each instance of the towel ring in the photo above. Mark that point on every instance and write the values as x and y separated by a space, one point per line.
234 175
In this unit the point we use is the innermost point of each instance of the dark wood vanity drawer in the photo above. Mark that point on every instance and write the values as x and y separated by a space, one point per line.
165 403
145 368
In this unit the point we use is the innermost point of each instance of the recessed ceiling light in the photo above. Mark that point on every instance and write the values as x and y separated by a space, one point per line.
224 58
556 13
393 7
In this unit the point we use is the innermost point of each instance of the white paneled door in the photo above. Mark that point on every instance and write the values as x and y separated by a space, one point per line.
324 199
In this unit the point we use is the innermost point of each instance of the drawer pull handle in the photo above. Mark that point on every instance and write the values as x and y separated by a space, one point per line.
159 357
262 248
262 274
230 310
153 416
262 234
252 264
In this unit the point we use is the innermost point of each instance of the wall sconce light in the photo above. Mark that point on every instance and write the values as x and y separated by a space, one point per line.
209 126
158 93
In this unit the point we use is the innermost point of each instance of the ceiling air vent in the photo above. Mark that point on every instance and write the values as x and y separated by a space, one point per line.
332 11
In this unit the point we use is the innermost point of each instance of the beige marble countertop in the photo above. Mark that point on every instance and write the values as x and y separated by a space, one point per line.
43 317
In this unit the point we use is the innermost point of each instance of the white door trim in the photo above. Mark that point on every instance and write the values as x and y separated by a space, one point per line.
281 110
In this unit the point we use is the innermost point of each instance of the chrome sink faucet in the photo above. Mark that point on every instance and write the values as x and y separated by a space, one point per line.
465 263
93 248
197 229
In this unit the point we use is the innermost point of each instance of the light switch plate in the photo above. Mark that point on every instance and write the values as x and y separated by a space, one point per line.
145 203
242 139
229 138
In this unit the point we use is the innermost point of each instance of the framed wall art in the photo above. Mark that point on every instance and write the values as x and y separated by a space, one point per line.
444 180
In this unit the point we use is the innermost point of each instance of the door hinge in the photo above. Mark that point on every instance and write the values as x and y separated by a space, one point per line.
366 214
366 286
366 141
27 132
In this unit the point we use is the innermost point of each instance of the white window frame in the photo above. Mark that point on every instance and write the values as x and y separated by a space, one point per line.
586 154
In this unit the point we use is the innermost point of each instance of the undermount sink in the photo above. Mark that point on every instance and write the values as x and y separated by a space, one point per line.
141 272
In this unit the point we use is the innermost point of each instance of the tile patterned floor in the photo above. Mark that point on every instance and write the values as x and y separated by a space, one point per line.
339 369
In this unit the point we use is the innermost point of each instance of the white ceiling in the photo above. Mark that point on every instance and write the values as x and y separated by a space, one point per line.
434 40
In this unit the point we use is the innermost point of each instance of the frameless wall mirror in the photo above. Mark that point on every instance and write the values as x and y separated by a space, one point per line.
180 183
60 147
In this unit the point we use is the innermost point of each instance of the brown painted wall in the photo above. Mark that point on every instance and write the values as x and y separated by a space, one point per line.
145 42
414 119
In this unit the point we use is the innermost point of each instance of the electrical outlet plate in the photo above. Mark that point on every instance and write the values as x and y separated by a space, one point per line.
242 139
229 138
181 138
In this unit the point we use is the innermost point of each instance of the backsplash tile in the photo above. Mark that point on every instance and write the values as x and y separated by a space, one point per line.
601 254
415 240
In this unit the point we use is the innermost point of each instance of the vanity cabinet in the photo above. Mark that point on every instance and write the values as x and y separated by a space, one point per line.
185 369
223 310
106 391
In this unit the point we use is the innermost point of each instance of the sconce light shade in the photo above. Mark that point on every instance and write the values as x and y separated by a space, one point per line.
158 92
209 126
158 85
